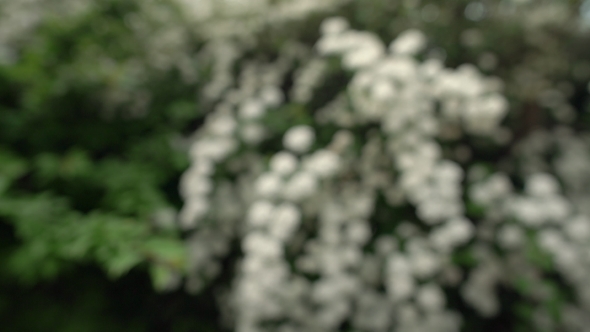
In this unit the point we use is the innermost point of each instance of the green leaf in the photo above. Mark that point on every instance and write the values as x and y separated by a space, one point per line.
171 252
163 278
122 262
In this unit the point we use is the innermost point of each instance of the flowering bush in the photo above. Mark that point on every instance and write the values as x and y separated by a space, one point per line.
354 198
355 167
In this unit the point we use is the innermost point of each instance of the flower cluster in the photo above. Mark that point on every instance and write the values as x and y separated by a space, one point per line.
304 215
359 211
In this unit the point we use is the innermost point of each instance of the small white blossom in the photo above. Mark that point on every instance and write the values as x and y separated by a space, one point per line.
192 211
400 287
300 186
424 264
252 109
252 133
359 232
268 185
369 51
284 221
195 185
430 297
271 96
334 25
409 42
283 163
260 213
214 149
578 228
323 163
511 236
551 240
541 184
259 244
299 138
222 125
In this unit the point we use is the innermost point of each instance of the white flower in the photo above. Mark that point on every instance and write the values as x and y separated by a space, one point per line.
202 167
358 232
252 133
424 264
408 42
283 163
541 184
449 171
556 208
334 26
551 240
323 163
430 297
578 228
369 52
221 125
382 90
299 138
300 186
259 244
431 67
271 96
195 185
510 236
254 264
528 211
192 211
260 213
284 221
400 287
398 265
461 230
252 109
268 184
214 149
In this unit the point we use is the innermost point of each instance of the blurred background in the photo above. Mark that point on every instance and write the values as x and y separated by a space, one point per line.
98 98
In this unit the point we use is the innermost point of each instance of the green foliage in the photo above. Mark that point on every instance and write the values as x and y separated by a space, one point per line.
81 179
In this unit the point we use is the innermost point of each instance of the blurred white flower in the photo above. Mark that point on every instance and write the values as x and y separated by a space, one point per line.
195 185
510 236
252 109
299 138
271 96
268 184
285 219
260 213
260 244
322 163
334 25
222 125
214 149
358 232
283 163
541 184
430 297
382 89
461 230
192 211
408 42
424 263
400 287
252 133
528 211
397 264
369 50
578 228
300 186
551 240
